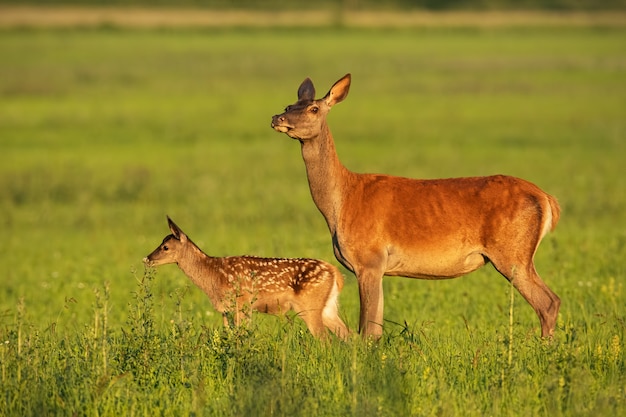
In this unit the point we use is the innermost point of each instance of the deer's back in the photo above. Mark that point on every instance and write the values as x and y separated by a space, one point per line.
428 202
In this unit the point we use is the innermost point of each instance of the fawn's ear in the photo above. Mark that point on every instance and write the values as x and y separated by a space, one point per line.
338 91
178 234
306 91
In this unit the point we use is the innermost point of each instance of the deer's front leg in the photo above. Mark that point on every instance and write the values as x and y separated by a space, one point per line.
372 302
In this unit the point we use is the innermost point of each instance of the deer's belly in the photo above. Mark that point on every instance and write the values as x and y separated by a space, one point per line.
430 265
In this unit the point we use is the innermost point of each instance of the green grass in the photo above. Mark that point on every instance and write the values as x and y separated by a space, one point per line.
105 131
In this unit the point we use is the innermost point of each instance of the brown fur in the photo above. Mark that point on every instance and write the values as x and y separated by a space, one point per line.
432 229
238 284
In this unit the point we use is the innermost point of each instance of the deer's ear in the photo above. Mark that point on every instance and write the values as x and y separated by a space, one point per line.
178 234
338 91
306 91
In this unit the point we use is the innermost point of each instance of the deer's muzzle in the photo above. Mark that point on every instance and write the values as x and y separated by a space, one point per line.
279 124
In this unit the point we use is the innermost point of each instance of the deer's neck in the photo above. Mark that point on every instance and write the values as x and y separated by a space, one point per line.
204 272
327 176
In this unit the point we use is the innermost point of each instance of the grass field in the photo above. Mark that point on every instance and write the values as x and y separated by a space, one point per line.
104 131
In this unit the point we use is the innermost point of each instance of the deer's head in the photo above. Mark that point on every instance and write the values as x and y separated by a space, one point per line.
304 119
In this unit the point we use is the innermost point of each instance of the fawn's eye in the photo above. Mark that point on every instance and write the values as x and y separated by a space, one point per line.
165 247
314 109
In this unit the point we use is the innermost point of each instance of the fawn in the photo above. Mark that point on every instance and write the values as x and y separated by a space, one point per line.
238 284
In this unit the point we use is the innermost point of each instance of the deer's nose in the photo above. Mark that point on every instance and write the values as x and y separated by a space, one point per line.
277 119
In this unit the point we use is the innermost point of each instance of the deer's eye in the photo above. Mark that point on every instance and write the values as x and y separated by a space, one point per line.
314 109
165 247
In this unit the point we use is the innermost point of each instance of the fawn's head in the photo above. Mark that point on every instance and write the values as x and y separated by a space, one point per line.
304 119
169 251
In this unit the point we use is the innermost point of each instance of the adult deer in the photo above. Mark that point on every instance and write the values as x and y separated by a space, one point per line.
430 229
239 284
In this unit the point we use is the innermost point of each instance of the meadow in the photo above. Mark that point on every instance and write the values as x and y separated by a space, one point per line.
104 131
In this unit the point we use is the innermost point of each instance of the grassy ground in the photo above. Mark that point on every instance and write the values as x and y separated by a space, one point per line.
104 131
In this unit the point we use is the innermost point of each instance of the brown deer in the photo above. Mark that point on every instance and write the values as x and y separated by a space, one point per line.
429 229
240 284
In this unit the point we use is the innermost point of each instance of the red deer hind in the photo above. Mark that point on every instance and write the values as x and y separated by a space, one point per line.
429 229
238 284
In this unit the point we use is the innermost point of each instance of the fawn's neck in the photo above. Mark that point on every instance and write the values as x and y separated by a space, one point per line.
328 178
204 271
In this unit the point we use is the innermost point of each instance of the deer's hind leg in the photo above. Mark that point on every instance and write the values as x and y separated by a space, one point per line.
542 299
513 256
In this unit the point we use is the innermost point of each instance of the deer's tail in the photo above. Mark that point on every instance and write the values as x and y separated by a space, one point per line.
555 209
